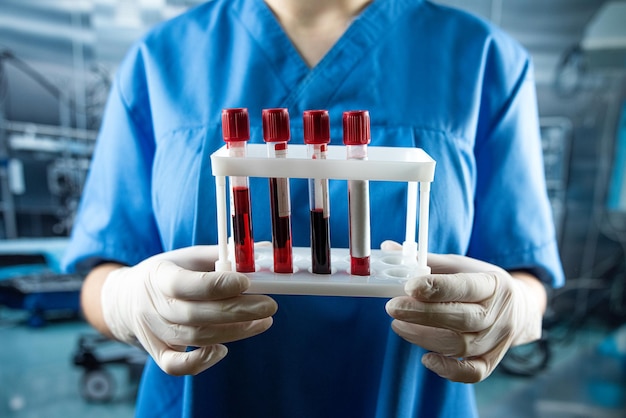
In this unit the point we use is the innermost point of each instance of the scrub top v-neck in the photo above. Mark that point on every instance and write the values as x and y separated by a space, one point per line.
315 87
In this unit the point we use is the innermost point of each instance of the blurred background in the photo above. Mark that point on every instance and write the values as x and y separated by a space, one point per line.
57 59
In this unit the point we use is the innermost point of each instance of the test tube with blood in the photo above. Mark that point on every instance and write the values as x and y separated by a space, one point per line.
236 133
276 134
356 136
317 136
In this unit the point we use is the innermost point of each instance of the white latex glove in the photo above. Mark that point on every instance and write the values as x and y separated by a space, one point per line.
467 313
169 302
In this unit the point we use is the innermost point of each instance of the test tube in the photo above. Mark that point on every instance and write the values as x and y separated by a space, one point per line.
276 135
356 136
236 133
317 136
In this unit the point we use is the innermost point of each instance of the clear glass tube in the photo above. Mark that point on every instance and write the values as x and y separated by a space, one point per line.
356 136
359 219
241 214
236 133
281 214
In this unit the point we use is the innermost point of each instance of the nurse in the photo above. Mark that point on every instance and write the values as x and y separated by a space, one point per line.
431 77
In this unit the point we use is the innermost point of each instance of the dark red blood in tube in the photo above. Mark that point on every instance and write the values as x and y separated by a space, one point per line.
320 243
281 233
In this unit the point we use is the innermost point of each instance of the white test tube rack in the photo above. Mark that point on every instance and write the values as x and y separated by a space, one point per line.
389 269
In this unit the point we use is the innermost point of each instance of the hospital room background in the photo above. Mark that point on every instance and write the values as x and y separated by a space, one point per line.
57 60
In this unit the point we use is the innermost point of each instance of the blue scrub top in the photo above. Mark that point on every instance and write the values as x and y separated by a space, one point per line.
431 77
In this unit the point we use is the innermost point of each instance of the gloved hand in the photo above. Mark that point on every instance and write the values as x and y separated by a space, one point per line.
467 313
170 302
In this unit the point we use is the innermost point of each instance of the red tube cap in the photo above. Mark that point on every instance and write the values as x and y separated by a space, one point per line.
356 127
235 125
316 126
276 125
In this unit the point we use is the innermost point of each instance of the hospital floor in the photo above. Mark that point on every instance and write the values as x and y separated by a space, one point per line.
584 378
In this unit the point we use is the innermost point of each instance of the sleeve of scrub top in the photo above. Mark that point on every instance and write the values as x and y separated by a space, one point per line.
115 220
513 225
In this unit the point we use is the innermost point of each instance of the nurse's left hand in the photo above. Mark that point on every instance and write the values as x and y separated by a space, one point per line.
468 313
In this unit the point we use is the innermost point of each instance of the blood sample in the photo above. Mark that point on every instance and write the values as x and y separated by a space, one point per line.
356 136
276 135
317 136
236 133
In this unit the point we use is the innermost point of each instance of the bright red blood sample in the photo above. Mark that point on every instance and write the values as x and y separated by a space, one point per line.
360 266
242 230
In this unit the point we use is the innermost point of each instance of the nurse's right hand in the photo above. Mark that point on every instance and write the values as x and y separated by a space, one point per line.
167 305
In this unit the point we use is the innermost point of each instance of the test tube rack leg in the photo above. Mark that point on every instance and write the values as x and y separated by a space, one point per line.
389 270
